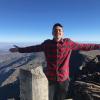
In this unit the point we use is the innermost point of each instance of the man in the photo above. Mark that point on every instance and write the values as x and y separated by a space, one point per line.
57 52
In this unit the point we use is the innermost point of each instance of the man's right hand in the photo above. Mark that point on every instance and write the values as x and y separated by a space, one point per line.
14 49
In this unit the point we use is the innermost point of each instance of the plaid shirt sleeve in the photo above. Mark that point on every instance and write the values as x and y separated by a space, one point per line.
35 48
83 46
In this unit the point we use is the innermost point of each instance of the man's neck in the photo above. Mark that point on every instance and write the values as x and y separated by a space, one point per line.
57 40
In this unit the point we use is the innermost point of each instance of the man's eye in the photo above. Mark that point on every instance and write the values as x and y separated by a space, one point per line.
58 31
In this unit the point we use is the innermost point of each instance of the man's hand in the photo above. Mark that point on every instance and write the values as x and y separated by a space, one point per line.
14 49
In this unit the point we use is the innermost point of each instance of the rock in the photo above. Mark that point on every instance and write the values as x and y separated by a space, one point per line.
33 84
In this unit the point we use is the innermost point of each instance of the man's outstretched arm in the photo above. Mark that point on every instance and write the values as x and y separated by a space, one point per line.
29 49
84 46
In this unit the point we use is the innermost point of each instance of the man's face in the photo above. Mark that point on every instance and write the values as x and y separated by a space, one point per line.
58 33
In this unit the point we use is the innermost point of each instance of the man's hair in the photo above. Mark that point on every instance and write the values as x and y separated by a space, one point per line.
57 24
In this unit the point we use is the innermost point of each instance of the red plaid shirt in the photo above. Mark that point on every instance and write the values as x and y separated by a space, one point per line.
57 56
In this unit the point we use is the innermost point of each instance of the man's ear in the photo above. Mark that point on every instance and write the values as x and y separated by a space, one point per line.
52 32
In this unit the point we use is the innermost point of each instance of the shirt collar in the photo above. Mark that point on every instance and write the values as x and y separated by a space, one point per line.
61 41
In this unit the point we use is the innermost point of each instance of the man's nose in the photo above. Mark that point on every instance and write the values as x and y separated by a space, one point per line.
58 31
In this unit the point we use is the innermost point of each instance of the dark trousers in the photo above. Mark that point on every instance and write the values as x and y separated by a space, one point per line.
58 91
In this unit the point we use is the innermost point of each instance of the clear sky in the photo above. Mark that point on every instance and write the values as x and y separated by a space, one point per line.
32 20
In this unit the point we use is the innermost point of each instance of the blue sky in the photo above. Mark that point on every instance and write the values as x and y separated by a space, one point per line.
32 20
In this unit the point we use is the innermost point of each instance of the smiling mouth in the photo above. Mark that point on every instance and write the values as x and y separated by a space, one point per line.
57 34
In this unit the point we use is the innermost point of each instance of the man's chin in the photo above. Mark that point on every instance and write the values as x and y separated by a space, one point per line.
57 38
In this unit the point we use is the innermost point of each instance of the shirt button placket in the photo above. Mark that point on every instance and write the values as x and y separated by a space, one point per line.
57 62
